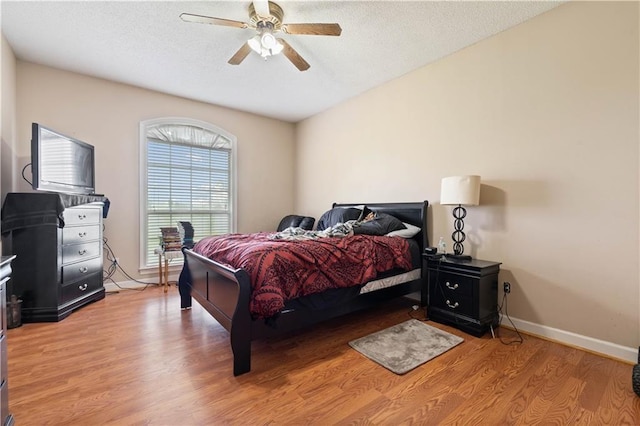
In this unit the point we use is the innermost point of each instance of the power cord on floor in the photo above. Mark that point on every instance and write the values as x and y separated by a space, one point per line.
114 266
517 341
416 308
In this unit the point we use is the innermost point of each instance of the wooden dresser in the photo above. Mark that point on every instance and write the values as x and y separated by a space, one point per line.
59 256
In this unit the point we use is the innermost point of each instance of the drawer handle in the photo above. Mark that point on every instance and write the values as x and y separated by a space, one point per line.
452 305
83 287
451 287
83 270
82 216
82 252
82 234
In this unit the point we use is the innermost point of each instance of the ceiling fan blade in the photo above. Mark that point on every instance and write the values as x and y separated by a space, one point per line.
240 54
293 56
312 29
188 17
261 7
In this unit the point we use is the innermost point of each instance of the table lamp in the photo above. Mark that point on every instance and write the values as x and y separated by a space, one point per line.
460 191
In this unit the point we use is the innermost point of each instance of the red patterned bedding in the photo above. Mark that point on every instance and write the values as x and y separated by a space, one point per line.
281 270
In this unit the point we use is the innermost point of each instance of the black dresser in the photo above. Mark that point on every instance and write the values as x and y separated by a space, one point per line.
6 418
57 239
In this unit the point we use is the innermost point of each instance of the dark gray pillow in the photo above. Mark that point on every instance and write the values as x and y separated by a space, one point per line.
382 224
337 215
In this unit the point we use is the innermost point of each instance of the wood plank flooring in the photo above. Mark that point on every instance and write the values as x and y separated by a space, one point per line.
135 358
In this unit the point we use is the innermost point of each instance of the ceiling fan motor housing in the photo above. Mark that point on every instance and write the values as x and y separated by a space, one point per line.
276 15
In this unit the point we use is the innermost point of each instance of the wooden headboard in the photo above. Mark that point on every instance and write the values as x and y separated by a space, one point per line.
413 213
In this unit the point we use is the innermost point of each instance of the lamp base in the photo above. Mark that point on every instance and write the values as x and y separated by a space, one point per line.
458 237
461 257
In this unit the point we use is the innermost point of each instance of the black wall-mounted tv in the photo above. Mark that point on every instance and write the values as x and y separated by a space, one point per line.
61 163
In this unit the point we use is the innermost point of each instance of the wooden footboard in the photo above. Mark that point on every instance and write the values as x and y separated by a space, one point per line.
224 293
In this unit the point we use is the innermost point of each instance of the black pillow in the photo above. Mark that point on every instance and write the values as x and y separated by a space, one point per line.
382 224
304 222
337 215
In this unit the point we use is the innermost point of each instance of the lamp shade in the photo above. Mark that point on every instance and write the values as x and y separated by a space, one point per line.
460 190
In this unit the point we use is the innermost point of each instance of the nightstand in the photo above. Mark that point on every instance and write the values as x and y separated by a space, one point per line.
463 294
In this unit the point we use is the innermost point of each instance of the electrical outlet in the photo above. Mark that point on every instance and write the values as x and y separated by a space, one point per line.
506 286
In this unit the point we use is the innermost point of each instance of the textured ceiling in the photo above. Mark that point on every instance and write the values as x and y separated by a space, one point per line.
146 44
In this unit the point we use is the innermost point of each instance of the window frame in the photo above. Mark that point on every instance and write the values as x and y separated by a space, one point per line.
143 181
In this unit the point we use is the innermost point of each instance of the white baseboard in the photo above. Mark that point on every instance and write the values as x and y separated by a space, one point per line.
568 338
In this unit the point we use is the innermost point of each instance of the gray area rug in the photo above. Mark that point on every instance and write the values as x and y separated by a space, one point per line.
405 346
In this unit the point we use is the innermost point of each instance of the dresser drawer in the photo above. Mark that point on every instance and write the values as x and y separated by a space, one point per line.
79 252
4 403
3 307
80 234
77 271
81 216
81 287
3 355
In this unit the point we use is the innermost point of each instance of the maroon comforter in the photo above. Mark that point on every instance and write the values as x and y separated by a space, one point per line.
281 270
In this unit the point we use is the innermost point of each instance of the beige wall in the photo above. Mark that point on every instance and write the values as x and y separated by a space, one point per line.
8 114
107 115
547 113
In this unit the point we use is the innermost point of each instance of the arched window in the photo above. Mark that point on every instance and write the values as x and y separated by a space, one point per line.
187 174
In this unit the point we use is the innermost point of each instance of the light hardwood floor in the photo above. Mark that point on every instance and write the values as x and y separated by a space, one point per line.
135 358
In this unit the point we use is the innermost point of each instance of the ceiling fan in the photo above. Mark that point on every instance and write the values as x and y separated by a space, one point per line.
266 18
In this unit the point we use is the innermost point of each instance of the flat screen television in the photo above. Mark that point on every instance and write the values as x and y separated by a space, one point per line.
61 163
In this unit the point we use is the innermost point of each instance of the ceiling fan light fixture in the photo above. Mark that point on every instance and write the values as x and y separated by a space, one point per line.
254 43
265 44
277 48
268 41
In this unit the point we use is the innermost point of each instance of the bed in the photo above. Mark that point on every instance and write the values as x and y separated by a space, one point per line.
227 293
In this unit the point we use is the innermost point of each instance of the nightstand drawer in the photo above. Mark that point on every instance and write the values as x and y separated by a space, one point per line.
456 304
455 285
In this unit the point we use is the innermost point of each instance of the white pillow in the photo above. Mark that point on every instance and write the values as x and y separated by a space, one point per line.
405 233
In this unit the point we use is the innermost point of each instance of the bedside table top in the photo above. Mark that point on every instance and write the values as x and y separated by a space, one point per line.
462 264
